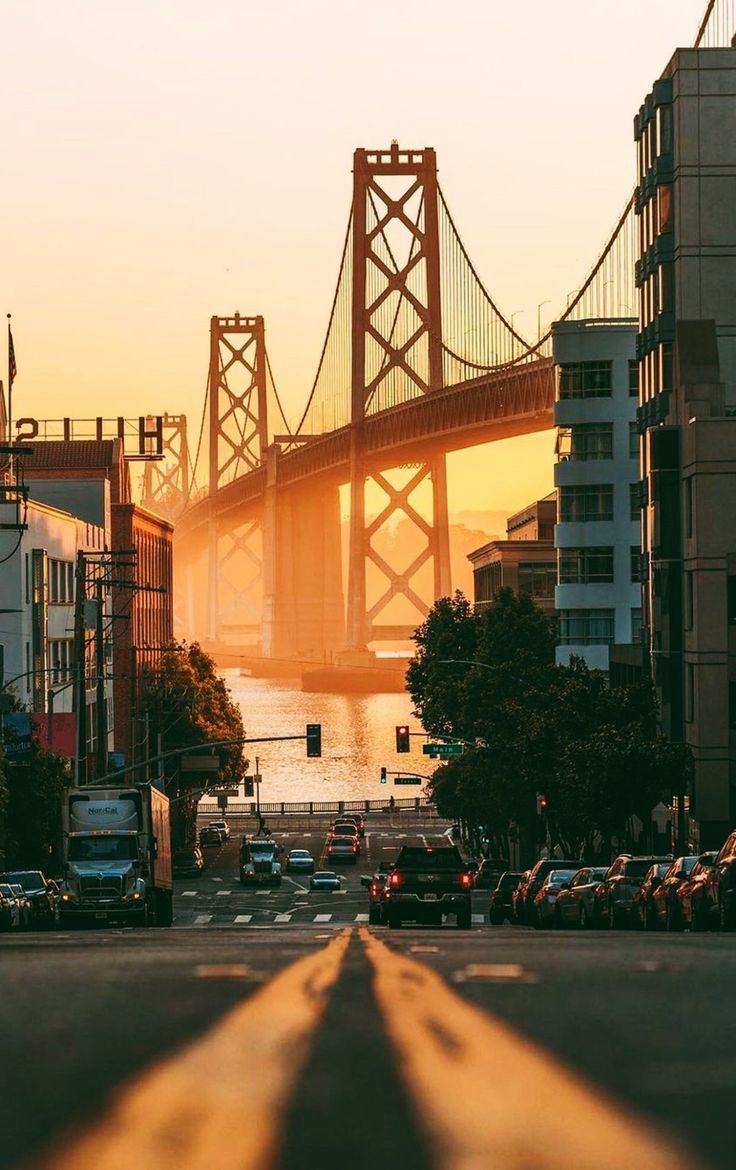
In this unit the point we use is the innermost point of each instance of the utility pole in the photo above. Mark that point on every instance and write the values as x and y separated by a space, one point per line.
80 671
101 699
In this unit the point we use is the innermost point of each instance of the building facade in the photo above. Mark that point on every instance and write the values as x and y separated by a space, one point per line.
524 562
598 594
686 275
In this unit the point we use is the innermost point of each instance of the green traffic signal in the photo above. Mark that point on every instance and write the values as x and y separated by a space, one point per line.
384 775
314 739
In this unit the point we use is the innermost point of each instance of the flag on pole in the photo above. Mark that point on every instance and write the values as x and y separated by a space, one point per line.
12 367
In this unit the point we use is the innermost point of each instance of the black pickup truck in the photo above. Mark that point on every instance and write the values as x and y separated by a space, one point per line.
427 883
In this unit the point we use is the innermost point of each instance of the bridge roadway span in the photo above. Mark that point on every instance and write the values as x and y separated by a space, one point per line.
510 402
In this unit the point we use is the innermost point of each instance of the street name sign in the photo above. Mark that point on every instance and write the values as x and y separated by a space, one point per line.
407 780
442 749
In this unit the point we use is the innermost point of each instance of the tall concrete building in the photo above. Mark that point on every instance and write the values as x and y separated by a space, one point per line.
524 561
686 274
598 595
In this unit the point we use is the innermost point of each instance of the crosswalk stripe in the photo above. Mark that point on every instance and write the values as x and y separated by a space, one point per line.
264 893
218 1072
240 918
361 917
474 1128
188 894
223 893
202 919
282 918
322 917
338 891
479 918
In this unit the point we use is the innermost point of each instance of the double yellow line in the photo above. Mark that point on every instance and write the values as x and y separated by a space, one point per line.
489 1099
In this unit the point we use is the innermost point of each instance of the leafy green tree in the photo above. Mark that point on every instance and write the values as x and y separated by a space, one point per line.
190 705
32 810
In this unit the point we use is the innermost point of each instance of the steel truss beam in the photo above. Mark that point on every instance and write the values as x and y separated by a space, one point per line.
237 394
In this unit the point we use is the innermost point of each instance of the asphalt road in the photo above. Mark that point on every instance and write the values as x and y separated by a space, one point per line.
301 1043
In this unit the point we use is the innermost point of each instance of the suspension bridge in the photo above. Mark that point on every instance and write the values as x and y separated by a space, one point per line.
418 361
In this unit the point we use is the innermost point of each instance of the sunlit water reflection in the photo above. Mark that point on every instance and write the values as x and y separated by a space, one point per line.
358 738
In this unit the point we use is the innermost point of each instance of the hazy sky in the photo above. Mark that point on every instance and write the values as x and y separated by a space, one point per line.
166 161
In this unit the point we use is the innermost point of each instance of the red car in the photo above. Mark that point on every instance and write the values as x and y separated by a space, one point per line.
718 902
690 893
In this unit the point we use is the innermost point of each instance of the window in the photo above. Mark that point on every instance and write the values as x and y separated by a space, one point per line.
664 208
538 579
633 379
59 662
689 692
689 598
634 495
633 440
635 560
636 625
582 502
586 627
486 582
61 582
586 566
586 379
664 129
591 441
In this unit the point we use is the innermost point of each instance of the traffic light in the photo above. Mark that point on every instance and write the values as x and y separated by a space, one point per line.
248 785
541 804
384 776
402 739
314 739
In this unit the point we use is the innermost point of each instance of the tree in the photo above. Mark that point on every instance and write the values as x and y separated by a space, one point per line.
32 810
190 706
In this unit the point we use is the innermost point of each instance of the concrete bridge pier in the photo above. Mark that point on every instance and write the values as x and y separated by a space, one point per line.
304 608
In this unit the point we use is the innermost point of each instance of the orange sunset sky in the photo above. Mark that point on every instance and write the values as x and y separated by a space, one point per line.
166 161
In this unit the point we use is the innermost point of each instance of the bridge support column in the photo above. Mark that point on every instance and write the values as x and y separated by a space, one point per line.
270 546
306 619
213 583
357 633
440 529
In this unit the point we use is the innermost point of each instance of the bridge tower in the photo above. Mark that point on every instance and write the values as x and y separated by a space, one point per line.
238 438
166 483
396 277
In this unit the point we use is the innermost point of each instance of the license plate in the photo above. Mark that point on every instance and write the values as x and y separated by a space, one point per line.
430 897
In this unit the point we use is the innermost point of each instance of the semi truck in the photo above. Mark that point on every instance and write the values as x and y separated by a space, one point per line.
117 856
259 862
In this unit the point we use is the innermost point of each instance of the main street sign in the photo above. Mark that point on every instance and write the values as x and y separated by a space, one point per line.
441 750
408 780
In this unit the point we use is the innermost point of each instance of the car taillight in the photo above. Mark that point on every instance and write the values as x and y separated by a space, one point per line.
395 880
374 888
466 880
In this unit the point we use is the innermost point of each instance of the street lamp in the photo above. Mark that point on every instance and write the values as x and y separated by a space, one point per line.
540 306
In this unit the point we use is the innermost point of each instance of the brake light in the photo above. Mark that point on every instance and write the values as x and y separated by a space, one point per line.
395 879
374 887
466 880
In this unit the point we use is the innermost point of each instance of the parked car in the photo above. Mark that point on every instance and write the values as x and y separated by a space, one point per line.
210 835
223 826
665 902
187 862
491 869
24 905
547 894
42 892
613 897
690 893
342 849
574 906
9 909
501 898
299 861
525 902
325 879
719 889
643 913
517 896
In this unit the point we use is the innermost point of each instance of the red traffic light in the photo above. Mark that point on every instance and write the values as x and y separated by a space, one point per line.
402 739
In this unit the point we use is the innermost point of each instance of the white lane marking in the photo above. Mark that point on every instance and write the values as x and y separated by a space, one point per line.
322 917
338 891
223 893
301 889
361 917
202 919
282 918
264 893
188 894
243 918
215 879
478 919
423 839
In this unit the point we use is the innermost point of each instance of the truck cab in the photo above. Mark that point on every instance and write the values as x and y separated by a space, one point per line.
259 862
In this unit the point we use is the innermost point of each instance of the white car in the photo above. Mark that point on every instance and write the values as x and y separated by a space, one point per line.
325 879
299 861
223 827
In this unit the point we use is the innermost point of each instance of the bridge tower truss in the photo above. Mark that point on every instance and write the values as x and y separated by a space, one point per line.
166 482
238 438
396 356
